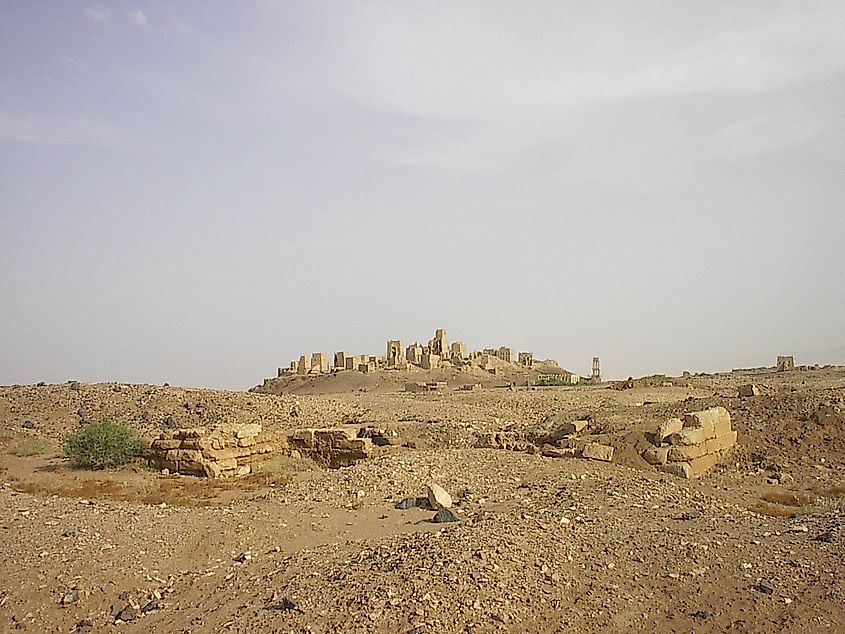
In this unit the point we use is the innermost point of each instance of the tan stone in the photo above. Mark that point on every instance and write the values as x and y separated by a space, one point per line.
595 451
688 436
165 445
212 470
721 442
707 420
656 455
438 497
685 453
666 429
693 468
247 431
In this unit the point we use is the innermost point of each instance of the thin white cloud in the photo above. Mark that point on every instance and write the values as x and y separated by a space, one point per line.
138 18
50 129
98 15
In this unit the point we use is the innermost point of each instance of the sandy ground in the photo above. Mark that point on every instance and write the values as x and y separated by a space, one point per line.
542 545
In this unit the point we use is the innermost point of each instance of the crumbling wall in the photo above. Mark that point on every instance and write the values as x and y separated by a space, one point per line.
227 450
691 447
339 447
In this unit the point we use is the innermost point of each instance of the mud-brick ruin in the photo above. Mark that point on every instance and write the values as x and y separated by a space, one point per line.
437 353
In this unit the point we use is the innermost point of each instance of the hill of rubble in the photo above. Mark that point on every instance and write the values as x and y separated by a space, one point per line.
390 380
542 544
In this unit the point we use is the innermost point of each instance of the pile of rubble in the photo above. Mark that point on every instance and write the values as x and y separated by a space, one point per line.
338 447
689 448
564 442
228 450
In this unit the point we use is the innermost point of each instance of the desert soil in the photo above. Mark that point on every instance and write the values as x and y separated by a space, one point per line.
542 545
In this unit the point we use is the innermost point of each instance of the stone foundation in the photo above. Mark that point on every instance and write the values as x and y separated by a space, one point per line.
693 445
228 450
339 447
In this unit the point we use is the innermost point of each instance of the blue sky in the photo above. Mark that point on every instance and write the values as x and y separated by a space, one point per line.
198 193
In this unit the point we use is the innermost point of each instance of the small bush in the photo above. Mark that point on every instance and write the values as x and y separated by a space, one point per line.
102 445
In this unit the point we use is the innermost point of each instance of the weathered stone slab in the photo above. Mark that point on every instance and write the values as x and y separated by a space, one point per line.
666 429
688 436
595 451
707 420
246 431
721 442
656 455
684 453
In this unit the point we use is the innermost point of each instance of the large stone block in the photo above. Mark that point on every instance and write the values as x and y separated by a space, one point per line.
721 442
707 420
666 429
165 445
573 427
656 455
595 451
693 468
688 436
247 431
684 453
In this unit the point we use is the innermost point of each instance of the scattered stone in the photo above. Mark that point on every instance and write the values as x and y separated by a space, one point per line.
28 424
70 597
128 613
765 587
702 616
438 498
75 386
84 626
689 515
443 516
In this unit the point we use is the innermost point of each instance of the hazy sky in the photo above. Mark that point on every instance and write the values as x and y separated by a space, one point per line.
198 192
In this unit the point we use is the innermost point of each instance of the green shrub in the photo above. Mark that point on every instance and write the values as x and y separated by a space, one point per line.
102 445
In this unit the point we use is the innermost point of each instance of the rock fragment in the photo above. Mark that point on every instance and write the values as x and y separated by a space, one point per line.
438 498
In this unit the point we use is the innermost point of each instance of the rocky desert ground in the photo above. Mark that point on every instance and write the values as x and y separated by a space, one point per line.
542 543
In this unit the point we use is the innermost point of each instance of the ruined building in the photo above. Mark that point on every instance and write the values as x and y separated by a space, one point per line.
395 357
784 364
440 344
438 353
596 375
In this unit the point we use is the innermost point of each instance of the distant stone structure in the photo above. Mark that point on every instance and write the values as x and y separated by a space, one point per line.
319 363
440 344
459 350
559 378
339 360
430 361
505 354
395 357
596 375
785 364
438 353
414 354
